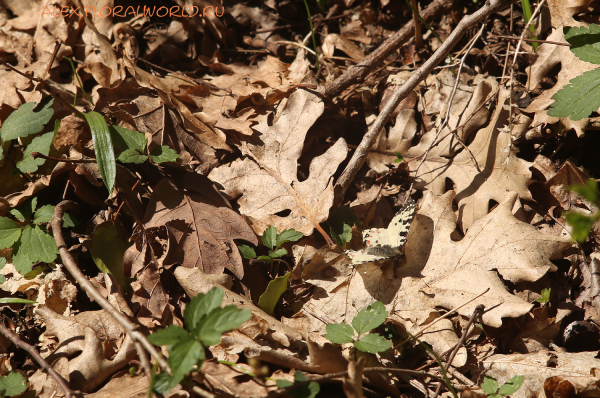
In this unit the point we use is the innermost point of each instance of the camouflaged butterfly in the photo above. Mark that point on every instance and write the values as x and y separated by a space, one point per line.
385 243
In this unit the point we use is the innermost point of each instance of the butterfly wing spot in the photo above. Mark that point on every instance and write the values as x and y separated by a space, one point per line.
385 243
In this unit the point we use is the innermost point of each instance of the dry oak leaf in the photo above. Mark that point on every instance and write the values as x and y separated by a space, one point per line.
434 104
166 88
543 369
201 225
548 56
442 272
267 179
90 347
501 170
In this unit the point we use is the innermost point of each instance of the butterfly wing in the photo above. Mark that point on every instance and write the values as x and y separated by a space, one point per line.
397 231
375 237
363 256
385 243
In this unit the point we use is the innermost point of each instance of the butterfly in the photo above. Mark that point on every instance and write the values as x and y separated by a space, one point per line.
385 243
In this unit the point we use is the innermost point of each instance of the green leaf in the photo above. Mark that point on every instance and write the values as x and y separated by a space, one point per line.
288 235
108 250
25 121
581 224
308 391
125 139
184 355
43 214
369 318
247 252
132 156
489 385
12 384
340 225
11 300
511 386
269 237
21 260
220 321
339 333
545 296
589 191
69 221
373 343
163 383
277 253
275 289
200 306
39 144
579 98
322 4
162 154
105 154
10 232
170 335
38 244
585 42
24 211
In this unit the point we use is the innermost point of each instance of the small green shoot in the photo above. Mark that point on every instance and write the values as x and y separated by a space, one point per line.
272 241
312 30
545 297
490 386
366 320
399 158
581 223
205 322
78 81
12 384
28 237
340 225
527 14
309 390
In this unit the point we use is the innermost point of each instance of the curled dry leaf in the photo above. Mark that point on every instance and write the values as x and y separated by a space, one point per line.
200 224
90 348
440 272
581 370
267 179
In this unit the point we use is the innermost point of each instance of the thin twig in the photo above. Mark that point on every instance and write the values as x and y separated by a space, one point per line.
534 40
478 310
284 391
37 155
62 383
87 286
538 9
446 315
360 155
357 73
449 106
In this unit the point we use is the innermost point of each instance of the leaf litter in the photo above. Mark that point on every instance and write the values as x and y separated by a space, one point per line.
216 142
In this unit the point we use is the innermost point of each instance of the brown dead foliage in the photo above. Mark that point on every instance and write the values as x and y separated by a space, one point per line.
237 96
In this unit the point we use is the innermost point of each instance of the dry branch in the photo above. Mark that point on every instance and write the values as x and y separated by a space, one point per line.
360 155
358 72
87 286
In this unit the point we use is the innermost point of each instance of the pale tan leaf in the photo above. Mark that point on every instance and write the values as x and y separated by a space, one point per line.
267 179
